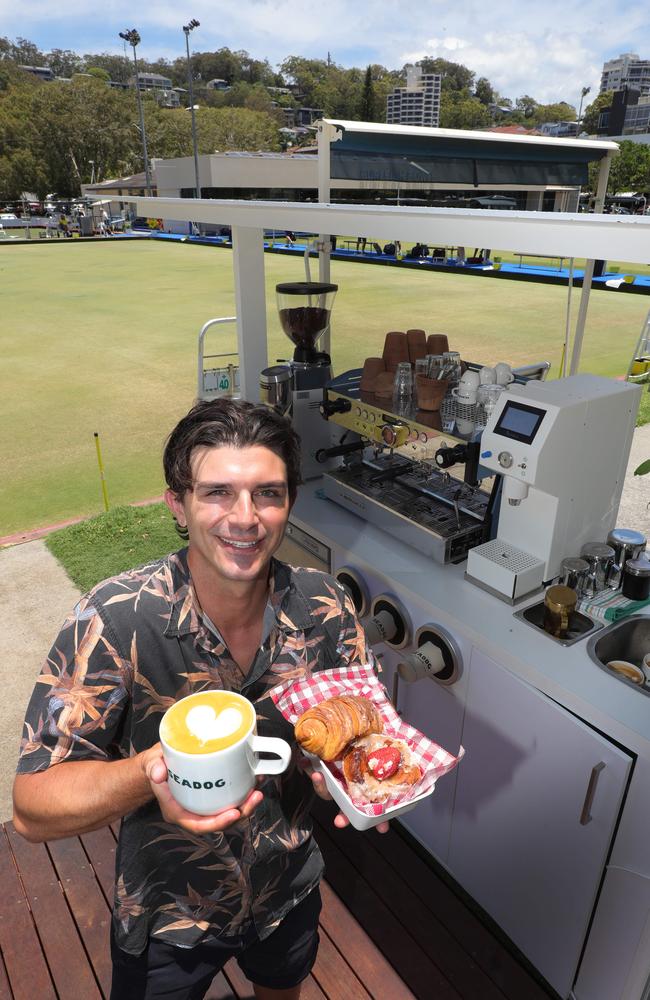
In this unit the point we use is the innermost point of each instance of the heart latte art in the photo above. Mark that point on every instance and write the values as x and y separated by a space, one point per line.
206 722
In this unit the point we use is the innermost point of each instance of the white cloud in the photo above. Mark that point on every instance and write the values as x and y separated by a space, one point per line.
549 51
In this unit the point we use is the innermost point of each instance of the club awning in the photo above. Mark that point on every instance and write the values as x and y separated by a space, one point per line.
467 159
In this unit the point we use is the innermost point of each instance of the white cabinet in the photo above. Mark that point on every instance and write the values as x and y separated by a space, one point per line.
537 799
437 711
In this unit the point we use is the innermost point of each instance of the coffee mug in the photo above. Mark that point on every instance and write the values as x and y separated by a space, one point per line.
487 376
470 379
464 394
503 373
646 667
210 747
465 427
628 670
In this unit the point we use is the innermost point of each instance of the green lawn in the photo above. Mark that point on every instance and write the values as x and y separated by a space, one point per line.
102 337
110 543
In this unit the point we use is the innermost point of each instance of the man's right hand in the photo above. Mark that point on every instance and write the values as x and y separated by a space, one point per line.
156 771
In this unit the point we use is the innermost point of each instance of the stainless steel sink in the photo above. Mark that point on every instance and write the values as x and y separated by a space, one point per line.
625 640
580 626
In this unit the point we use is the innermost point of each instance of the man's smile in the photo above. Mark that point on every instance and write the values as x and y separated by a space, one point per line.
241 545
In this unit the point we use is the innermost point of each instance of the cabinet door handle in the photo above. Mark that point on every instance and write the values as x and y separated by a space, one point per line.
585 815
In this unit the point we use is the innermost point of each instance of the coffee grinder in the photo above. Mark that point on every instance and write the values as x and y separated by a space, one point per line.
296 387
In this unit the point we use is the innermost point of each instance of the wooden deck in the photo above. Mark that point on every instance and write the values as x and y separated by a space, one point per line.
391 927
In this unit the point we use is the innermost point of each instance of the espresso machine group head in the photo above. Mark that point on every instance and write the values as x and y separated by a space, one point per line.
561 449
296 387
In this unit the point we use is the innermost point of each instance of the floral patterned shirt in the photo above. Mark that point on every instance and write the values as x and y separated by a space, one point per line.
133 646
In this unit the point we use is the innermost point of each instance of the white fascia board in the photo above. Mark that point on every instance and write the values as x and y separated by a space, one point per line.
606 237
474 136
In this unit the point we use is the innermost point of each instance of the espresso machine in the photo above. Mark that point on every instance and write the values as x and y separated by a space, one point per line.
561 449
296 387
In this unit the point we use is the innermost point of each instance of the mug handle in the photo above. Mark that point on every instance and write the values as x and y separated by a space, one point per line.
271 744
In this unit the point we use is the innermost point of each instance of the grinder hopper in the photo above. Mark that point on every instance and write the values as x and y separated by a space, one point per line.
304 309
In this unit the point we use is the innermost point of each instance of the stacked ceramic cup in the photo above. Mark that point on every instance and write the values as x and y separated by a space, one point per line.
492 382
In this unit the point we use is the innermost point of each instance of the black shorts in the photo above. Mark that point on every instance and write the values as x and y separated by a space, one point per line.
166 972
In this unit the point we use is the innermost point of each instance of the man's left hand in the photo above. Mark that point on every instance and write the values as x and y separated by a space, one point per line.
321 789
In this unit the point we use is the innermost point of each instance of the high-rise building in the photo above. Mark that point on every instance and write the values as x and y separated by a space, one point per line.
627 70
418 103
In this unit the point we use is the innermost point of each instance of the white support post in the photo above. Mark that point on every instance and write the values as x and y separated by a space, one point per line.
250 301
324 167
603 177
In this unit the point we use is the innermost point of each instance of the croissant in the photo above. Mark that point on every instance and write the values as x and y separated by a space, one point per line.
326 729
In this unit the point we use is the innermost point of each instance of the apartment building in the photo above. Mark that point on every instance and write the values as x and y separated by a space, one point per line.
627 70
627 116
418 103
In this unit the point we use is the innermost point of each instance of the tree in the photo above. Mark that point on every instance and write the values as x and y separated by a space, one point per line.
592 111
455 76
244 95
461 110
99 74
526 105
22 172
630 170
65 63
484 92
169 132
25 52
560 112
67 125
367 112
12 76
119 68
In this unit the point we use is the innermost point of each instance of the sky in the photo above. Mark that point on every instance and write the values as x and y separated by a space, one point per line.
548 50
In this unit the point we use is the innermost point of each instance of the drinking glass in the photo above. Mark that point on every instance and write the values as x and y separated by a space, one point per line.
434 365
403 384
487 397
451 360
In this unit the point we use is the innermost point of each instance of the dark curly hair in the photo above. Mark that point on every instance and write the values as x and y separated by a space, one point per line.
233 422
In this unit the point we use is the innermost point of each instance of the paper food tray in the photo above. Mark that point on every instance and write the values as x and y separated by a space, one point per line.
361 820
295 698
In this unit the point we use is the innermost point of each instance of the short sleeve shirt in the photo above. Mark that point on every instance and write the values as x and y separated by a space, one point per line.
132 647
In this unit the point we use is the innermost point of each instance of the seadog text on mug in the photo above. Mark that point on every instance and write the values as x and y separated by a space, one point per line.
211 748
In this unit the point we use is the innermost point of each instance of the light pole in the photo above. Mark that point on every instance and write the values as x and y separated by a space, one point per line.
583 94
133 38
187 28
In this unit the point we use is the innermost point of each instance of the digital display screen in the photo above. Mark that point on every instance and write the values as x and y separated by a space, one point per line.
519 422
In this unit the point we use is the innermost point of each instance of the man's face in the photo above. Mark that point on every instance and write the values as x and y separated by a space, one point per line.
236 511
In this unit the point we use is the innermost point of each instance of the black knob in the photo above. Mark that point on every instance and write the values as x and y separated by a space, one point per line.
446 457
330 406
340 449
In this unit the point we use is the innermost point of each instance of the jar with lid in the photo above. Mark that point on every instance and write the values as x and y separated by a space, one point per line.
600 557
636 579
573 573
627 544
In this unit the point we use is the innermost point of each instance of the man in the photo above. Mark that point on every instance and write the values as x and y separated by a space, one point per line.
192 891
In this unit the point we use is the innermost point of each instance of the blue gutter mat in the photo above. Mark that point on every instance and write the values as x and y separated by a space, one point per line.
609 281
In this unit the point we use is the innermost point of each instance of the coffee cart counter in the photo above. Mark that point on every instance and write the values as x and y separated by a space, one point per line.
545 820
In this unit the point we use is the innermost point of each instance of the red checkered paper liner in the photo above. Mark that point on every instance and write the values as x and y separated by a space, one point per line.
295 698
